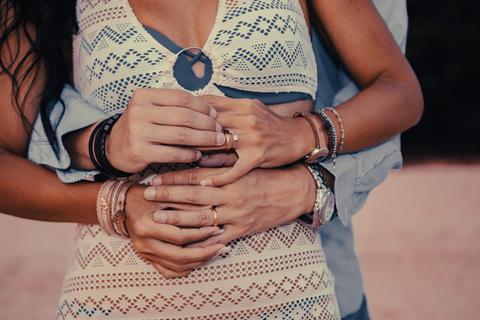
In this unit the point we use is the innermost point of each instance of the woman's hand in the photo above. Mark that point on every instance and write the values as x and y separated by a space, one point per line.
266 139
163 245
262 199
155 123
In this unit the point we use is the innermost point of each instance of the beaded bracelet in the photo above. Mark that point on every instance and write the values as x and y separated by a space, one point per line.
342 128
97 151
111 205
331 134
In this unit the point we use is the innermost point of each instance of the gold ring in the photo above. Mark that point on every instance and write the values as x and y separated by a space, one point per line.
230 141
215 216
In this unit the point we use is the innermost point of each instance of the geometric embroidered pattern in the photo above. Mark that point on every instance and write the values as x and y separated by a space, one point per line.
257 46
282 270
317 308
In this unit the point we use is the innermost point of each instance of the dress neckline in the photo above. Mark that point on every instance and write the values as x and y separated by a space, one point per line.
133 17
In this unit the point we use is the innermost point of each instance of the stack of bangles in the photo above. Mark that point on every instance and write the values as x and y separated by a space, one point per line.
111 207
321 123
96 148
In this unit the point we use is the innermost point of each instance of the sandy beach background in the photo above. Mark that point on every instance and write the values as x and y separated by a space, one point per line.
418 239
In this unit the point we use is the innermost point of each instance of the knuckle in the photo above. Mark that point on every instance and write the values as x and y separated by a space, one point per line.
186 116
173 155
193 195
240 199
192 176
252 121
140 231
181 134
182 97
163 193
180 259
173 218
203 218
179 238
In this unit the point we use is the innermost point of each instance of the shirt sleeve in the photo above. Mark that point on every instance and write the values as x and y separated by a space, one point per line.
75 113
356 174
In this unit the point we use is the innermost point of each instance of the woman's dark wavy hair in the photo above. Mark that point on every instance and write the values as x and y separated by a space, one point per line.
53 23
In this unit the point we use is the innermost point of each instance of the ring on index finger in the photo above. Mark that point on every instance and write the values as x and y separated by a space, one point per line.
215 216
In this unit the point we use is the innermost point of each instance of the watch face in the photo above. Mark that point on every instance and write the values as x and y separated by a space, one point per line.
329 207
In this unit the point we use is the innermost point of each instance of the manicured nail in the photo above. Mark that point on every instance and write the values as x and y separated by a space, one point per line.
159 217
223 250
206 182
220 139
213 113
149 193
218 127
217 232
198 155
157 181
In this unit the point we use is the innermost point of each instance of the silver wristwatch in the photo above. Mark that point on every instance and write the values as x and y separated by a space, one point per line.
324 203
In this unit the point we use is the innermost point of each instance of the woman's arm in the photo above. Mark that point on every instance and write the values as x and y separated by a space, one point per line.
390 99
35 192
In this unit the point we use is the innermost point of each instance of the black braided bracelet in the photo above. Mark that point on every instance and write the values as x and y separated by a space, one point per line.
97 149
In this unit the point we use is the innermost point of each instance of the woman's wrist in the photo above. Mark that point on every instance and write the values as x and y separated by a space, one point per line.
76 144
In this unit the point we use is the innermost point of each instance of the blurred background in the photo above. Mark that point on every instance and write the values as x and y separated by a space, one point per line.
418 237
444 50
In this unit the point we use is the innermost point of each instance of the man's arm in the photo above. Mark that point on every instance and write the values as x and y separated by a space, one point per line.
75 115
356 174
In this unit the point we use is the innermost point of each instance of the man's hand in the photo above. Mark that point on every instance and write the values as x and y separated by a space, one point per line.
262 199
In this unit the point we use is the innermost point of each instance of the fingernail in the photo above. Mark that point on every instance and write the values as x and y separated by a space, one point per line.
156 181
223 250
159 217
213 113
198 155
218 127
220 139
149 193
206 182
217 232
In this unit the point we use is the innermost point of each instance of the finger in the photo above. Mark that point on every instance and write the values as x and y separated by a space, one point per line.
176 268
181 116
170 274
228 235
172 97
181 135
171 233
185 177
161 251
235 173
167 154
230 105
199 218
184 194
218 160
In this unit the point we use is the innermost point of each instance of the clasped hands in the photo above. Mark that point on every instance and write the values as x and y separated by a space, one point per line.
248 200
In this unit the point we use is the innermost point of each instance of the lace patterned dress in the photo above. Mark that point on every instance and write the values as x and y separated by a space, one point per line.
255 48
